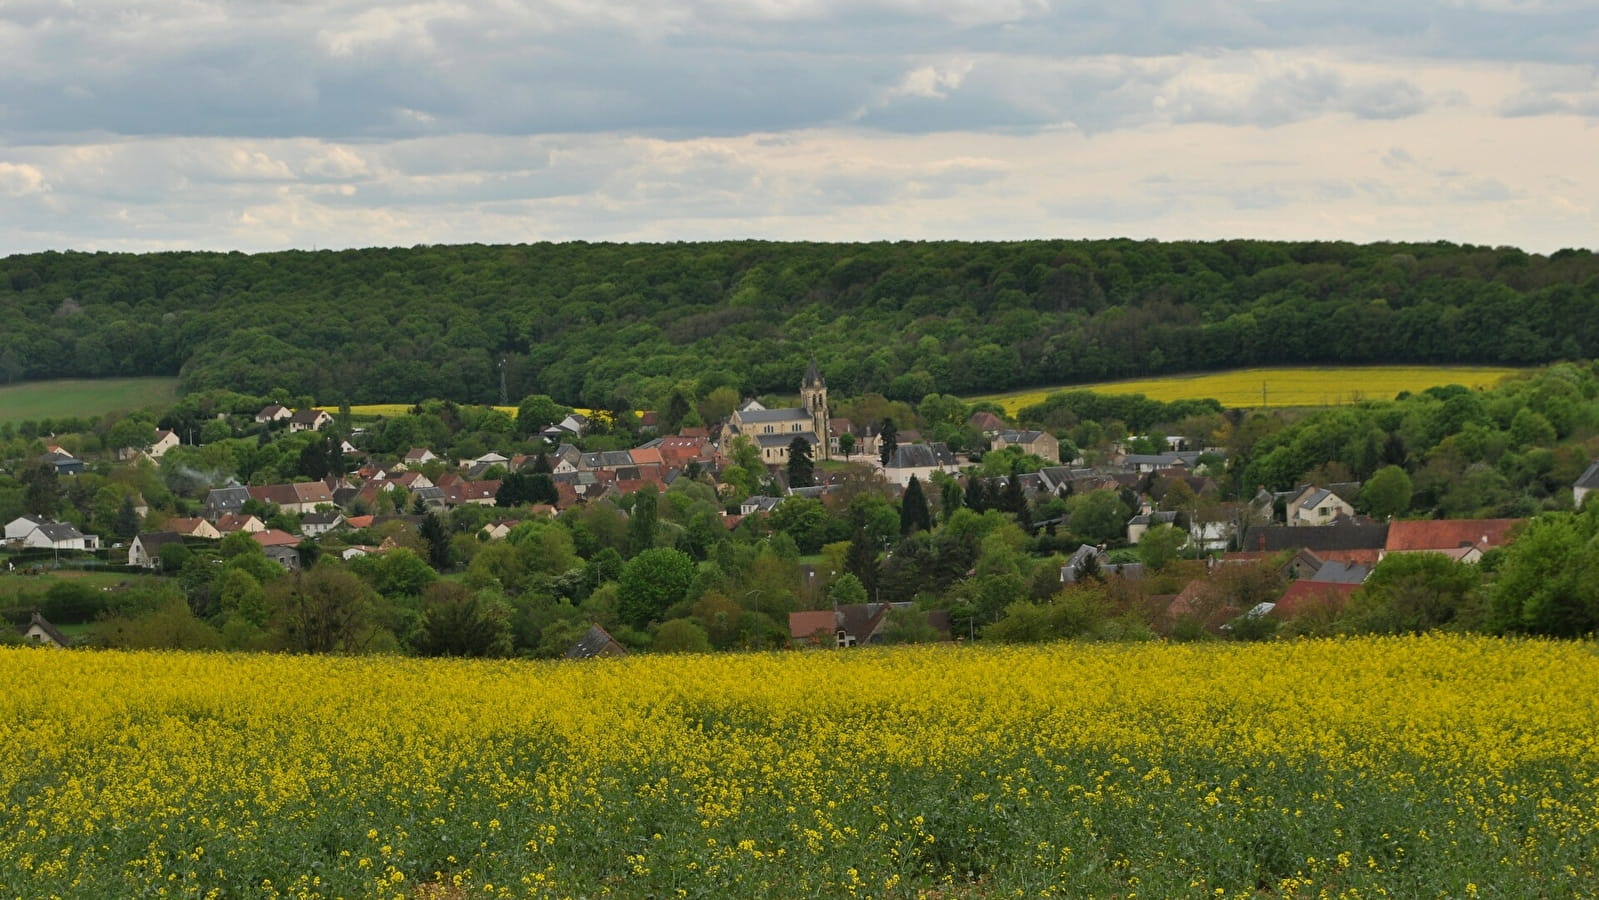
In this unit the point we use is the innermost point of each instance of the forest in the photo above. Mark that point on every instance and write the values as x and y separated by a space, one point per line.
615 325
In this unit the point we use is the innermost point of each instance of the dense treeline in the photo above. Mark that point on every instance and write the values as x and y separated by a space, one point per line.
601 324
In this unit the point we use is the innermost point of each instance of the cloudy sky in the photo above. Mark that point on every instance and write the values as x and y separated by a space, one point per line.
269 124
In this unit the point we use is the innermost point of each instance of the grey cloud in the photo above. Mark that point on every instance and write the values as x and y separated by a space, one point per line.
363 70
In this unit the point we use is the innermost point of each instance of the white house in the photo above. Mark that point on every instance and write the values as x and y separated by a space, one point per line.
309 420
1317 506
920 460
145 550
1587 483
60 536
41 633
21 527
165 440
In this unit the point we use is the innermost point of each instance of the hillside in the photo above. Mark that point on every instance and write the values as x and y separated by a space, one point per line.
600 324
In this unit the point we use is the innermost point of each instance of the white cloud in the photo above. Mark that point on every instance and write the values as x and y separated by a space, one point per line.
17 180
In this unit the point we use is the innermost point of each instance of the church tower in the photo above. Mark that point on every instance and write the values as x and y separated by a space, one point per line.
813 396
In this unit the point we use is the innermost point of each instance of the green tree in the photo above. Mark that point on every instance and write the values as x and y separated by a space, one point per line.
914 514
887 441
846 445
1548 579
536 411
437 540
1411 593
243 597
801 471
1099 516
651 583
324 610
457 621
642 523
681 636
1386 493
1160 546
846 590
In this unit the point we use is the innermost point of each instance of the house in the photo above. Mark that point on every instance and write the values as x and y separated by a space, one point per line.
274 537
228 523
1464 540
1305 596
496 531
315 524
596 642
461 492
60 536
309 420
773 430
64 462
416 456
921 461
194 528
758 504
1144 463
145 550
1038 443
225 501
1588 482
1317 506
284 555
165 440
1339 572
22 526
988 423
273 412
1346 540
854 625
41 633
1137 525
299 497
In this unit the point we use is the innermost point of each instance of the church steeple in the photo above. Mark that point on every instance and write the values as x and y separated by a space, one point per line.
813 396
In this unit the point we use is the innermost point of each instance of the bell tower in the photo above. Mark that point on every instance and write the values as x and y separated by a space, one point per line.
813 396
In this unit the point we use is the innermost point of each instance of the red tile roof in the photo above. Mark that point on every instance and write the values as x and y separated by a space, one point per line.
274 537
1303 596
1447 534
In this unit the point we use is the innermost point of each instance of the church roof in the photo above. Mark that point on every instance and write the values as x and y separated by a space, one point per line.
795 414
813 375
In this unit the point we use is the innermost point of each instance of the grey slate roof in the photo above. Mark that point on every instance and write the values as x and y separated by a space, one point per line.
916 456
763 416
783 440
60 531
1343 536
1334 572
592 644
51 631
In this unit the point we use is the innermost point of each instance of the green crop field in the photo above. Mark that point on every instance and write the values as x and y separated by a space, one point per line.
83 397
1303 386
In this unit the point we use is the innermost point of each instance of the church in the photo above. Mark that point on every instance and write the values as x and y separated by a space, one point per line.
773 430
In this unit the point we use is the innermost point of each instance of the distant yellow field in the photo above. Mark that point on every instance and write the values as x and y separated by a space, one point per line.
373 410
1326 386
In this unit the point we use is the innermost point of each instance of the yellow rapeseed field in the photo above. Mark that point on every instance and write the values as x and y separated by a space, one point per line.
1311 386
1413 767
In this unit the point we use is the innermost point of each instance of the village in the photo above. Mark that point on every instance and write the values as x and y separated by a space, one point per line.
1146 518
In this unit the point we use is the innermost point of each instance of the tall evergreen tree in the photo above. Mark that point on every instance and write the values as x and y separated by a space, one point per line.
1014 500
976 497
127 524
887 441
950 498
641 524
861 560
801 471
677 409
437 539
541 464
913 511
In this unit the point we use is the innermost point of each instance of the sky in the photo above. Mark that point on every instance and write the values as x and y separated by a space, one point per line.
262 125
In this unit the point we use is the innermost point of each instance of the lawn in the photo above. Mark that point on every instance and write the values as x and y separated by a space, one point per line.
82 397
1278 387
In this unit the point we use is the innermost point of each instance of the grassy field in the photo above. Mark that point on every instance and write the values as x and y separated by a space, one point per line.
83 397
1323 386
1410 767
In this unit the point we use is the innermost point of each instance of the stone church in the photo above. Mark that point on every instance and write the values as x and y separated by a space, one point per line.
773 430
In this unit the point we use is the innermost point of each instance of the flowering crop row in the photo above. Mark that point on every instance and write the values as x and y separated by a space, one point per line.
1418 767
